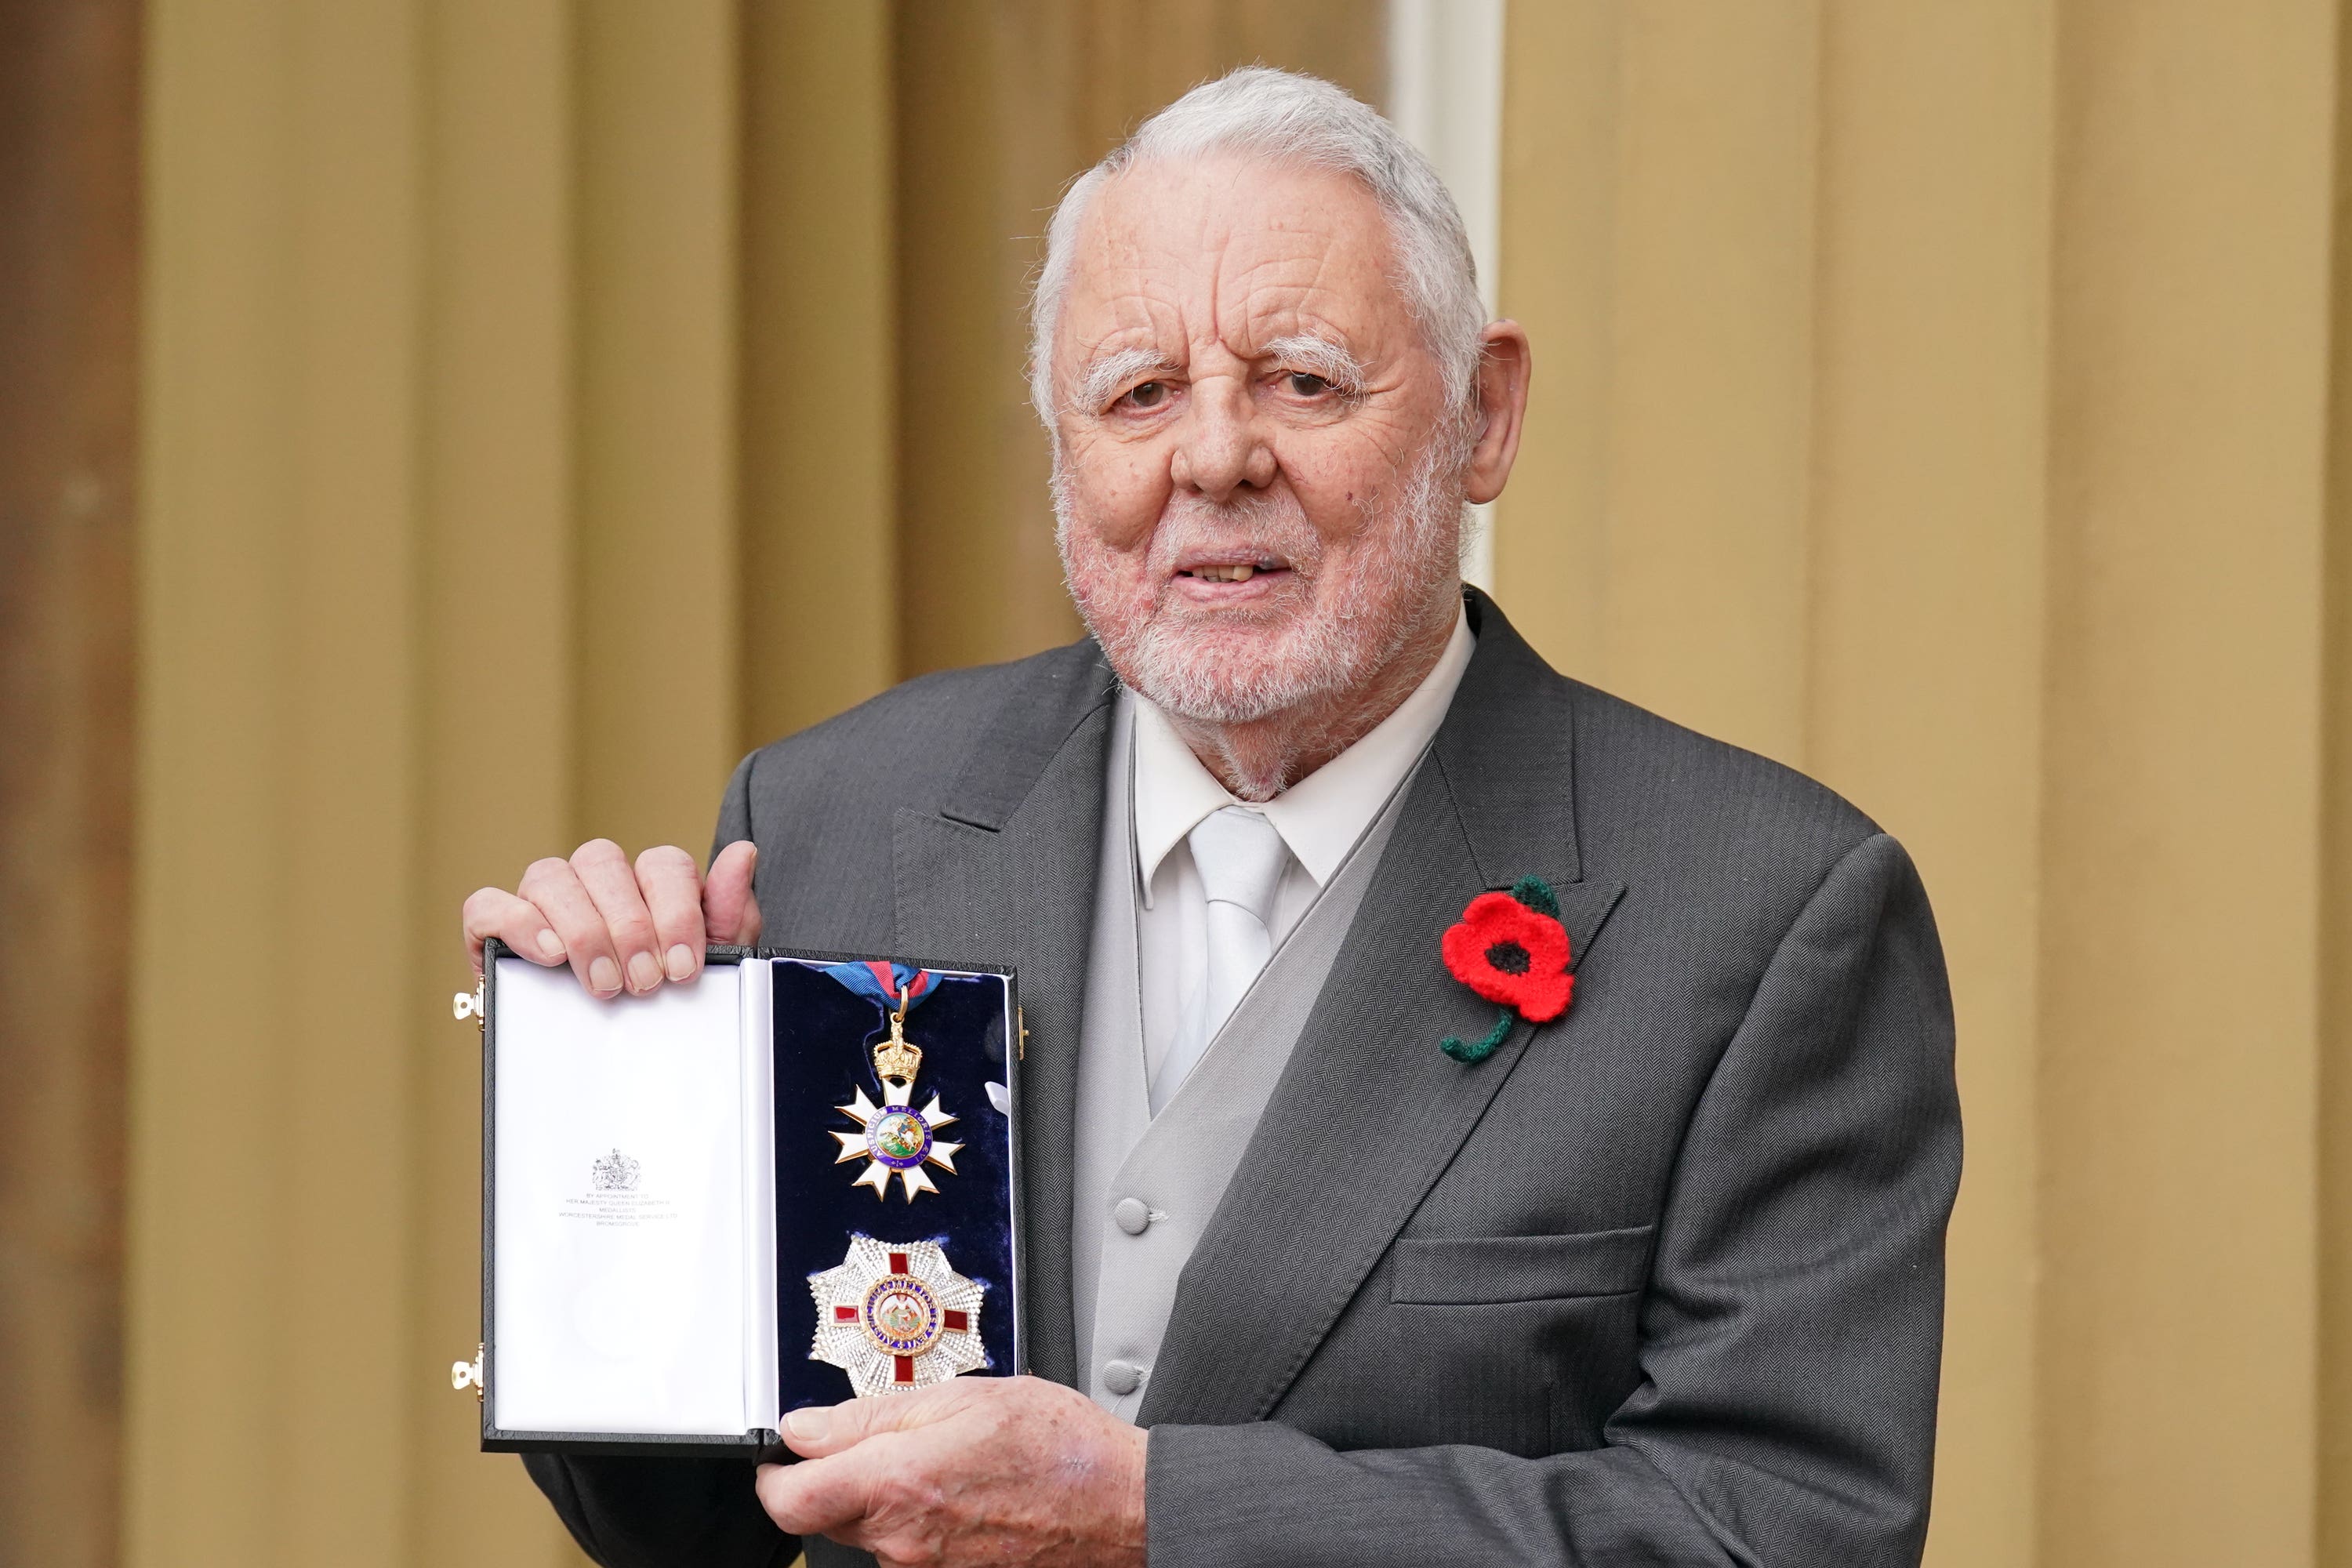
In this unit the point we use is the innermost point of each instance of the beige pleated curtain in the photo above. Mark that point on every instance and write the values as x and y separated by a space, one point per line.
543 402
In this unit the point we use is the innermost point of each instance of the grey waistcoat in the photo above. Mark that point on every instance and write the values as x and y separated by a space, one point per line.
1145 1187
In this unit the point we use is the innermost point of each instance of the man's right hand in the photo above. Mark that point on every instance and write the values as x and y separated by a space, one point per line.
620 927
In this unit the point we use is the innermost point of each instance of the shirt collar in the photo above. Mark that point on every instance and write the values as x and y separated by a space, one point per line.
1319 818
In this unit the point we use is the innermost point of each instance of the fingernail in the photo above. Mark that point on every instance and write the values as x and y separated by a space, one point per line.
549 944
644 973
808 1423
604 977
681 961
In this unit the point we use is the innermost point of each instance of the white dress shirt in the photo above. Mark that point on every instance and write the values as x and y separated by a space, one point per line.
1321 819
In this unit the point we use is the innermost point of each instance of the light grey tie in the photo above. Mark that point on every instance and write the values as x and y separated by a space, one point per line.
1241 860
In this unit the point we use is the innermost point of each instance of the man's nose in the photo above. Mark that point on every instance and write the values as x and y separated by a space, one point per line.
1221 447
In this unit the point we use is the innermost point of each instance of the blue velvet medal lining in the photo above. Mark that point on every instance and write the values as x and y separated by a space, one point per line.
826 1036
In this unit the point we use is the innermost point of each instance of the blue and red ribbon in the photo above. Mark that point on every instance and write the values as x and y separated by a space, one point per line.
883 983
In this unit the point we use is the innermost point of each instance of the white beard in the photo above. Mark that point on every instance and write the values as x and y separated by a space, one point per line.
1238 667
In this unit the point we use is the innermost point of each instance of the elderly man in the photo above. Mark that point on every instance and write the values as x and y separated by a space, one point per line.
1332 1259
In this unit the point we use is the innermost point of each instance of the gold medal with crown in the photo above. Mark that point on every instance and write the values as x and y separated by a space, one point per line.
893 1136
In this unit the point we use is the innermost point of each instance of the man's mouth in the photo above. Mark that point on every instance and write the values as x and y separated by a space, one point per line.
1219 574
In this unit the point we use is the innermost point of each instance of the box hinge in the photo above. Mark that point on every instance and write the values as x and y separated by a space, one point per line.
463 1373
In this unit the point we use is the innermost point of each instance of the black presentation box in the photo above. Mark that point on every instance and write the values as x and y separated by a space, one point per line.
766 1189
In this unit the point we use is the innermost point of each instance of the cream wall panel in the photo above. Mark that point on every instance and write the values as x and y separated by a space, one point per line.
2180 937
978 571
1562 100
1924 691
955 345
655 650
212 510
496 749
821 608
1711 360
362 575
348 823
271 1214
1697 455
2334 1392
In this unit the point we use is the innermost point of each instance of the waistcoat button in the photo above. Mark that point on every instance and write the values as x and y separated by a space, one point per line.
1131 1215
1122 1377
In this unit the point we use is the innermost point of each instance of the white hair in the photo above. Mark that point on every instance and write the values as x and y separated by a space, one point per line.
1287 117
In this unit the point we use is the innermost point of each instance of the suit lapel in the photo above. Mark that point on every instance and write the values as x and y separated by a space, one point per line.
1005 873
1369 1111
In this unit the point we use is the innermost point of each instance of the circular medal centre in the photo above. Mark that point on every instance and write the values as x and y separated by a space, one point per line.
899 1138
902 1316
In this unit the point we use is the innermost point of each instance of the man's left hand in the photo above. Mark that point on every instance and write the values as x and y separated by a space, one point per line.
970 1471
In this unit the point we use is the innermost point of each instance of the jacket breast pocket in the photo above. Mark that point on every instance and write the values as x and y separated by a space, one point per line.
1476 1270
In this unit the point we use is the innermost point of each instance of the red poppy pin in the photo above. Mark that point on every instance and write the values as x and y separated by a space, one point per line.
1510 948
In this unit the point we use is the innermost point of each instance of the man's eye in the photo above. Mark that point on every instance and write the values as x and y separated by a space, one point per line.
1151 395
1305 385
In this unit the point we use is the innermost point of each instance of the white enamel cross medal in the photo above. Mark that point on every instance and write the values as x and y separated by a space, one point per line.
893 1136
895 1316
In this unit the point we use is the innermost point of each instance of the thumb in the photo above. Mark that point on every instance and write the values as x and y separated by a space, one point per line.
820 1429
729 913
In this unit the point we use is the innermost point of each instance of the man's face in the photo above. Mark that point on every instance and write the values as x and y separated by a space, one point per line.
1258 478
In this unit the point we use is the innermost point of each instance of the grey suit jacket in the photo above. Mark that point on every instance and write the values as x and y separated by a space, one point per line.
1659 1282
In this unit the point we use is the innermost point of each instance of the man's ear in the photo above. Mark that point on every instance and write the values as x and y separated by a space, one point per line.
1504 363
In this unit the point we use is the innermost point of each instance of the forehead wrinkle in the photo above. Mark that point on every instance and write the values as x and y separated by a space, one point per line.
1275 321
1289 305
1217 251
1299 272
1237 286
1136 319
1271 261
